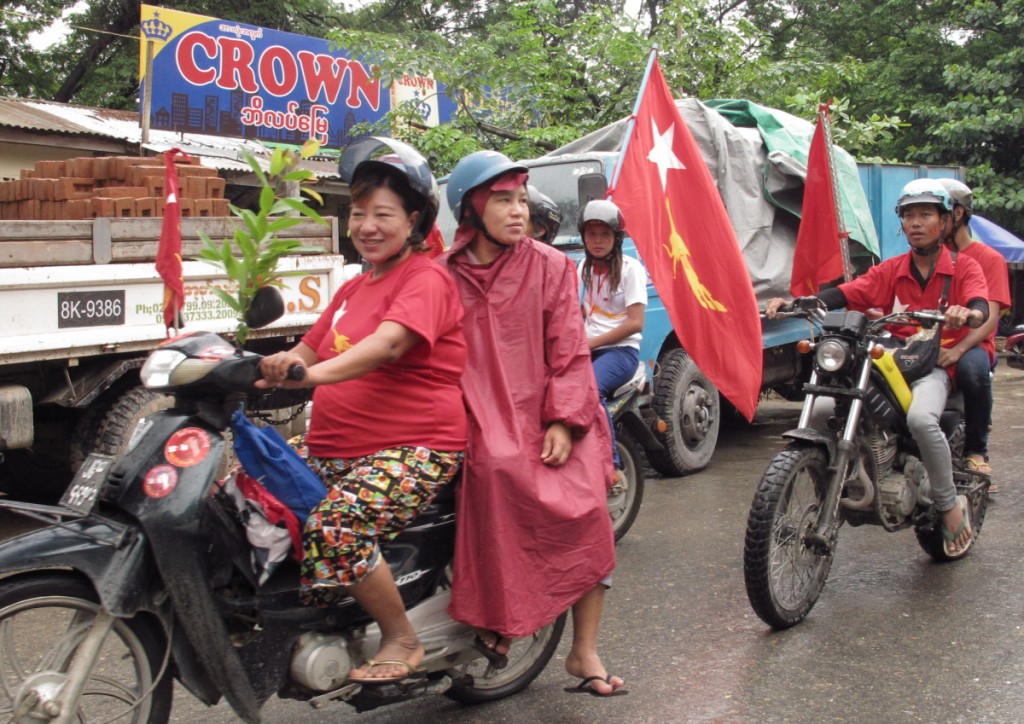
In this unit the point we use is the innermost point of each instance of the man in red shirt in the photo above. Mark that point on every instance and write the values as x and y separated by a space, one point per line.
975 355
912 282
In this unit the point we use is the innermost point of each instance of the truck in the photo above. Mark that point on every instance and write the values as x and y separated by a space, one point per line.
757 157
81 305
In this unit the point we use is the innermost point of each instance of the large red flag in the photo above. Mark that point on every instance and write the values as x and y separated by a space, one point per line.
677 219
168 255
818 257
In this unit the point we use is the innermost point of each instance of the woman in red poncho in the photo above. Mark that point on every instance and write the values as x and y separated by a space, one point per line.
534 537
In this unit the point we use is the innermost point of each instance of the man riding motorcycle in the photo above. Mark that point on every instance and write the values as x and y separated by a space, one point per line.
914 281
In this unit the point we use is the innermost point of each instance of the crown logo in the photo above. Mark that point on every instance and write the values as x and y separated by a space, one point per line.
156 29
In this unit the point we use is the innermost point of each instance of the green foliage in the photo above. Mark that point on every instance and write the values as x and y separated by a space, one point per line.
250 259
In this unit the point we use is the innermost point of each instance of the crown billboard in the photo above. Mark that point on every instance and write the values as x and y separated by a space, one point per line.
226 78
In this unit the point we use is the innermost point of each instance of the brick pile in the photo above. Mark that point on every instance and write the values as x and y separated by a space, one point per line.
108 186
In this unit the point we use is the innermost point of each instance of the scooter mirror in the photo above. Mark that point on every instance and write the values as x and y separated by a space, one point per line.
267 306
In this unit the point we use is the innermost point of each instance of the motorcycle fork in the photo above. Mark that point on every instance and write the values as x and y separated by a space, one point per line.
822 538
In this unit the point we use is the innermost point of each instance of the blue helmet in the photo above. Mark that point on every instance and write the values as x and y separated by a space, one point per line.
475 170
924 191
364 155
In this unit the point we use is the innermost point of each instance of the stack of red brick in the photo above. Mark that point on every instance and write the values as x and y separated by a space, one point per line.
108 186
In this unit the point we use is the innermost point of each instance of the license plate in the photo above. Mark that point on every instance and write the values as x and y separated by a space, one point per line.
81 495
90 309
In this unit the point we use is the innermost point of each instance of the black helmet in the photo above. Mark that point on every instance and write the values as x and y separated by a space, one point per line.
360 157
475 170
544 213
606 212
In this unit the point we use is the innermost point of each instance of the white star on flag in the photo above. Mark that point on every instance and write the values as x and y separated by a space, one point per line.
662 154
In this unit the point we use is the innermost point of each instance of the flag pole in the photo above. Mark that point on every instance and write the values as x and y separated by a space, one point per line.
825 118
631 123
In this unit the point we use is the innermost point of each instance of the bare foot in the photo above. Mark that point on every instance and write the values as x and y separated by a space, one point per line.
494 641
584 667
409 652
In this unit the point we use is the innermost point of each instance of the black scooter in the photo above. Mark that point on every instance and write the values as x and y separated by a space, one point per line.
144 574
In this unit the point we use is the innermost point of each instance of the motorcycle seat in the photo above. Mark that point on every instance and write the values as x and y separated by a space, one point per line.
637 382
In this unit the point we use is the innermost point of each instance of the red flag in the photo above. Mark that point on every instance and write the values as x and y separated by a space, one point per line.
168 255
677 219
818 257
434 242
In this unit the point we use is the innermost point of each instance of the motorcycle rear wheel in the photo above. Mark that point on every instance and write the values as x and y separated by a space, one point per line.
479 682
783 575
624 504
930 538
43 620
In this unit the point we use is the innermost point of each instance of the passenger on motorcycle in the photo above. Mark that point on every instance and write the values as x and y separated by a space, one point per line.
388 426
613 294
545 216
534 537
912 282
975 355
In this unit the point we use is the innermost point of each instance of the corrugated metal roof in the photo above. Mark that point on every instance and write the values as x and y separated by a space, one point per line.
220 152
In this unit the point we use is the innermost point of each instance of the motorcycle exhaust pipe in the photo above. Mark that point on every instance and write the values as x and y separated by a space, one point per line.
869 493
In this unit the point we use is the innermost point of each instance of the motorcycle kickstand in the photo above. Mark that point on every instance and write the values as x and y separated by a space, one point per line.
65 706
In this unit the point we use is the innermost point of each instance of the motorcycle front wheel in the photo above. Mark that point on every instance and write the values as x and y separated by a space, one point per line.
625 497
479 681
783 574
43 621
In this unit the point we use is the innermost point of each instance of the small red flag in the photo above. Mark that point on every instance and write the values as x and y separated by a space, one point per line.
818 257
676 217
168 255
434 242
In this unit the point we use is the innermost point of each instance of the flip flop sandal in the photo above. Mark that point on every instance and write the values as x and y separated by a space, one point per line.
949 539
411 673
978 464
584 687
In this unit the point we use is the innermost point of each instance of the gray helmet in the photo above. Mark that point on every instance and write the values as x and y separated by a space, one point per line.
924 191
961 194
604 211
475 170
361 157
544 213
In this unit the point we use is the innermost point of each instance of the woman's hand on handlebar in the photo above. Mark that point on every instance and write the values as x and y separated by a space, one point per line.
278 370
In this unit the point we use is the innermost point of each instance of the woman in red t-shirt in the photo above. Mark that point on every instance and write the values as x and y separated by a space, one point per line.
389 425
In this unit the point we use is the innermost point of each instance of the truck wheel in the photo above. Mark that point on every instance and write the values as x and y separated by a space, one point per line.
688 403
118 417
40 474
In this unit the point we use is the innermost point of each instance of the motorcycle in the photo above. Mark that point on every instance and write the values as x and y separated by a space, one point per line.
627 493
145 574
1015 347
865 468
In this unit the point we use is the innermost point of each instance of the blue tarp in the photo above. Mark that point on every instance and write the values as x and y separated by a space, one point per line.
1006 243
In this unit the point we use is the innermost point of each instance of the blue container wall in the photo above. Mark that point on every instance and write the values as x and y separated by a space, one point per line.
882 184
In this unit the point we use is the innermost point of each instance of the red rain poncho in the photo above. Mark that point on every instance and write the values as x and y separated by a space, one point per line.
531 539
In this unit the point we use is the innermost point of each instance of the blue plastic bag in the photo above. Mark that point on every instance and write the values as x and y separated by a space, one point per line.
267 457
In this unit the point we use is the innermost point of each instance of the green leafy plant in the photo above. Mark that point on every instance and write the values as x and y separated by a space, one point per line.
251 257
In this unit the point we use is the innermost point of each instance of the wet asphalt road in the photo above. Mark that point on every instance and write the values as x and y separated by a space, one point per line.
893 638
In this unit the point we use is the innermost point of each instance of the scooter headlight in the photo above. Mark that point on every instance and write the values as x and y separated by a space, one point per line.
831 355
157 370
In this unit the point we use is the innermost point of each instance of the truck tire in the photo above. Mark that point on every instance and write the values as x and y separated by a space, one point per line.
688 403
117 417
40 474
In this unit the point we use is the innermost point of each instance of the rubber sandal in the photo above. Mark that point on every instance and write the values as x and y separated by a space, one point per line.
977 464
411 673
949 539
585 687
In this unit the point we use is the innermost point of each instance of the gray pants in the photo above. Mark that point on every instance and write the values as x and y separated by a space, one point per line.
930 395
